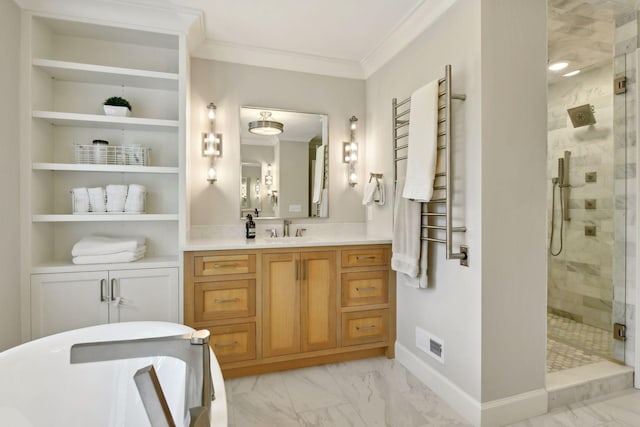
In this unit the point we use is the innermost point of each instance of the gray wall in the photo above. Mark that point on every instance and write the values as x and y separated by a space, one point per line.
499 166
231 86
9 178
580 282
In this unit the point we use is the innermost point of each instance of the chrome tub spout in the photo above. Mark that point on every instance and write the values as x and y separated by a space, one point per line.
192 348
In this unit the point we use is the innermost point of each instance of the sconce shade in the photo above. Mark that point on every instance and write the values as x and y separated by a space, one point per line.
265 126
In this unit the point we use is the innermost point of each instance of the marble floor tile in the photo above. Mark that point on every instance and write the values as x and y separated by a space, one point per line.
334 416
313 388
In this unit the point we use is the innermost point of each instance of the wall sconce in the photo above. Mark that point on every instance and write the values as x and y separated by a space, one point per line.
350 152
272 193
211 143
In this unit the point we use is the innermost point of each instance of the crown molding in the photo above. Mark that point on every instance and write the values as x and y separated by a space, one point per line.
416 21
280 59
143 14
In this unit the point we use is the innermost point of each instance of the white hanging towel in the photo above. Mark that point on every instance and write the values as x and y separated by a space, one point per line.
369 191
405 246
324 204
380 198
318 175
423 141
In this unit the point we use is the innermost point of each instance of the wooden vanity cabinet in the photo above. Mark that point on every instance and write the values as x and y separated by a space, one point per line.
283 308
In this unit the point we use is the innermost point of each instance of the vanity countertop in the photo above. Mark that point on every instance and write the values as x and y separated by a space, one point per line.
228 243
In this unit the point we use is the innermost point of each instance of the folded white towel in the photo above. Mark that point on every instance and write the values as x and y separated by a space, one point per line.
369 191
406 234
423 141
103 245
116 197
97 199
135 198
80 200
318 174
126 256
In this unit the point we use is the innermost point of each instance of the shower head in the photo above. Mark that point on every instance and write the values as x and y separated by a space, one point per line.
582 115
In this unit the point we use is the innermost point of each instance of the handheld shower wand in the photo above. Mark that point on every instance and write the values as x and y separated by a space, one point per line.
562 181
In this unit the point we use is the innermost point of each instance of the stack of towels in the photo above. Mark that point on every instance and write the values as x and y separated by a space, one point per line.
113 198
106 250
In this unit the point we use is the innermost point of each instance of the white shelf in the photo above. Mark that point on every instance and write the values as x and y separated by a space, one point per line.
68 266
94 120
99 217
90 73
81 167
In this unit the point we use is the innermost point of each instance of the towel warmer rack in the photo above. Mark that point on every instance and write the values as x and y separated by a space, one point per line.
443 179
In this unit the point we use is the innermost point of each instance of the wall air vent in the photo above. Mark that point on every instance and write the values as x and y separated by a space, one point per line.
430 344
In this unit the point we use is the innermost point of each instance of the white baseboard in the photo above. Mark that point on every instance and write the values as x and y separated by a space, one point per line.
495 413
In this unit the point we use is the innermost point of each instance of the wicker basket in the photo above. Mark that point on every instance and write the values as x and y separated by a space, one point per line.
99 154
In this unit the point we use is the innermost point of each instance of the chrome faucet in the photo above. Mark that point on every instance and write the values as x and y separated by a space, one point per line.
285 228
192 348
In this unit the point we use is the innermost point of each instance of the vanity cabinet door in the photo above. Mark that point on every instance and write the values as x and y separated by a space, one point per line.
147 294
318 300
65 301
281 304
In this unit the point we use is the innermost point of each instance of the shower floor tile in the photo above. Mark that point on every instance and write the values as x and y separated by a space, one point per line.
561 356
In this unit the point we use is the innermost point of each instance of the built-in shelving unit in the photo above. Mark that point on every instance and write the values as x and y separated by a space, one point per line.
69 76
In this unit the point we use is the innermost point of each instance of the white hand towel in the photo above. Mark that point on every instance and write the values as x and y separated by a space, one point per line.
324 204
369 191
380 196
116 197
135 198
97 199
423 141
103 245
126 256
80 200
318 175
406 234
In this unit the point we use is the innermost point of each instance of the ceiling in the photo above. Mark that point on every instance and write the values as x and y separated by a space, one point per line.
581 32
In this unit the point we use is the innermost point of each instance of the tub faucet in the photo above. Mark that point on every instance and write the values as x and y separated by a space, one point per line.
192 348
285 228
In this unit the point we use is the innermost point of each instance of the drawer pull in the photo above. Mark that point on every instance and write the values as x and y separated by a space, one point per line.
222 301
225 264
366 328
369 288
232 344
361 257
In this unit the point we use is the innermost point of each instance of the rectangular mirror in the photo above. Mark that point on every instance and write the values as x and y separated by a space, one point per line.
284 163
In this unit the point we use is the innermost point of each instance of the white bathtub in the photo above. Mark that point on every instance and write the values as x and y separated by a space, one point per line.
39 387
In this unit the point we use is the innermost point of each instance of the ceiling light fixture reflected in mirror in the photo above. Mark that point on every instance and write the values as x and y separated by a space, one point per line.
266 126
572 73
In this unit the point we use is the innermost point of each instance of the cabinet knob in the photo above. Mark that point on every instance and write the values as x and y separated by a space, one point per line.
103 283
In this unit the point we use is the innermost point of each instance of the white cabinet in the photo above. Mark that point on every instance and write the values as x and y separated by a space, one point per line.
60 302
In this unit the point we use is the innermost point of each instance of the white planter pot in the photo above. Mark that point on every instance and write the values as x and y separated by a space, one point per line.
112 110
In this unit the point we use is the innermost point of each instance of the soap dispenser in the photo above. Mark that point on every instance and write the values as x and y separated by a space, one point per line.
250 227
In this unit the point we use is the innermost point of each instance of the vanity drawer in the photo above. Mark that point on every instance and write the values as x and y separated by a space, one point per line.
224 300
233 343
218 265
365 288
363 327
365 257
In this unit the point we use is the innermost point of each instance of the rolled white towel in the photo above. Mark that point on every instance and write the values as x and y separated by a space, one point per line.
116 197
96 199
135 198
80 200
103 245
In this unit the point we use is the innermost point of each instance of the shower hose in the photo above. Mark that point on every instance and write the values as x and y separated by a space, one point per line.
553 209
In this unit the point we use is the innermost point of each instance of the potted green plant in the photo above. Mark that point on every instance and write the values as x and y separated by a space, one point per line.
116 106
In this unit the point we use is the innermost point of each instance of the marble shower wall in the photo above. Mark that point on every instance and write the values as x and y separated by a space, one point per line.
580 278
625 248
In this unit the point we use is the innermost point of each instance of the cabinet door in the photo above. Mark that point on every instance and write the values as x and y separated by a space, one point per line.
65 301
281 304
148 294
318 300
